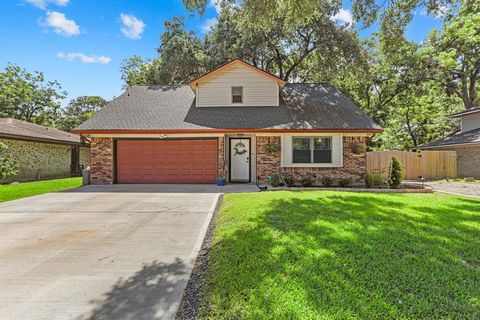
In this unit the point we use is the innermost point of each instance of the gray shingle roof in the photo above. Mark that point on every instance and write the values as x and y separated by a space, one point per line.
302 106
472 136
13 128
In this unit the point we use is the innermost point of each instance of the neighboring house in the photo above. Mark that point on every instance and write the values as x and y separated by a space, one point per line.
465 142
237 122
41 152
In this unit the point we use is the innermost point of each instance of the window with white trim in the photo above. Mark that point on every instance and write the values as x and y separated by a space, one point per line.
237 94
312 150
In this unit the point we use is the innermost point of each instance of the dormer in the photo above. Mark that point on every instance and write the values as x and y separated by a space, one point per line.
470 119
237 84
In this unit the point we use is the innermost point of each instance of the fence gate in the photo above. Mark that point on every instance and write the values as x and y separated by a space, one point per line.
428 164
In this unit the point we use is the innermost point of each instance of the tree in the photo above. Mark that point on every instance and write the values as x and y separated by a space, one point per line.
29 96
8 166
418 116
279 45
395 173
456 53
392 15
138 71
181 58
80 109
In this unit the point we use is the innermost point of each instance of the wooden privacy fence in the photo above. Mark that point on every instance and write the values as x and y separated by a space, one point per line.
428 164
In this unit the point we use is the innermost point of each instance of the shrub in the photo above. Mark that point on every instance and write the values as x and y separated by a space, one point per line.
288 181
8 166
327 181
344 183
372 179
275 180
396 173
307 182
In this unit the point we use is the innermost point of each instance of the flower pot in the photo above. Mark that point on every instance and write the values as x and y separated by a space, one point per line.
220 182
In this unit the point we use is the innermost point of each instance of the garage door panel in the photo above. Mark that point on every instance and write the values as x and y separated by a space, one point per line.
166 161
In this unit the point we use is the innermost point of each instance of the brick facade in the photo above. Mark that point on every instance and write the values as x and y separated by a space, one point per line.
354 165
221 157
101 161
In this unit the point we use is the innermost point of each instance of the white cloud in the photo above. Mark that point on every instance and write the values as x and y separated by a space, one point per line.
216 5
42 4
83 57
132 26
61 24
438 13
208 25
344 15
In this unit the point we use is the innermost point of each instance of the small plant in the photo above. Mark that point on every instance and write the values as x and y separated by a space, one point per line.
8 166
358 148
344 182
395 176
271 148
275 180
327 181
307 182
288 181
373 180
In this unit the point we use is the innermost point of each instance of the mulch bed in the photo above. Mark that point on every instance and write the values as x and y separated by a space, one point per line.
192 295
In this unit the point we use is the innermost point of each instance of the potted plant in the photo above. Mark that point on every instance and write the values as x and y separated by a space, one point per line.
220 180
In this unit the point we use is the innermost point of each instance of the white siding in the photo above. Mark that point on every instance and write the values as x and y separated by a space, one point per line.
337 150
470 122
258 90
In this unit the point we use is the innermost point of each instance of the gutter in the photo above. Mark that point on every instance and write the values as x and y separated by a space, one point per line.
169 131
44 140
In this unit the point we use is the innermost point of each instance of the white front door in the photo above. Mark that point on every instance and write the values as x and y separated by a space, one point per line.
240 159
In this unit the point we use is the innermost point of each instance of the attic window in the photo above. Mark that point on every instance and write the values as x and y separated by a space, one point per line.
237 94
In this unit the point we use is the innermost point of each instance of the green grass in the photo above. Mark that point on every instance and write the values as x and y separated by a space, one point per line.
28 189
334 255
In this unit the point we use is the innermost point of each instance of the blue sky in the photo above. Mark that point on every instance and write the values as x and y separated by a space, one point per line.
81 43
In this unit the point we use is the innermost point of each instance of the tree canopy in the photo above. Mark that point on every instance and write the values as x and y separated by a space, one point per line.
78 110
29 96
408 88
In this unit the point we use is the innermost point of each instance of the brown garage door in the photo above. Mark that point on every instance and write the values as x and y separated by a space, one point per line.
166 161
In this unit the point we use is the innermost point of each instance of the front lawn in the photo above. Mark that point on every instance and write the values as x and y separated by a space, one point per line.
339 255
28 189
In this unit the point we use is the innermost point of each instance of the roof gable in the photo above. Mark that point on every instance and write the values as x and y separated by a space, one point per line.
227 66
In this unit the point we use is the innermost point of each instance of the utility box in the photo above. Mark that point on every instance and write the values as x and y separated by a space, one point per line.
86 176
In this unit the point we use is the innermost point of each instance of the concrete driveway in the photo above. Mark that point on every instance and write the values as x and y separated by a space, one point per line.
110 252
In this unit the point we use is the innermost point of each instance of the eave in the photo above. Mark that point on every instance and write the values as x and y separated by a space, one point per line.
190 131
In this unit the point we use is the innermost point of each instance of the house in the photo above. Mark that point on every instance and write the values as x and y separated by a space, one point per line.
465 142
41 152
237 122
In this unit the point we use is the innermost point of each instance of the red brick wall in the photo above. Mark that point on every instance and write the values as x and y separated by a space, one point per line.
101 161
221 158
354 166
